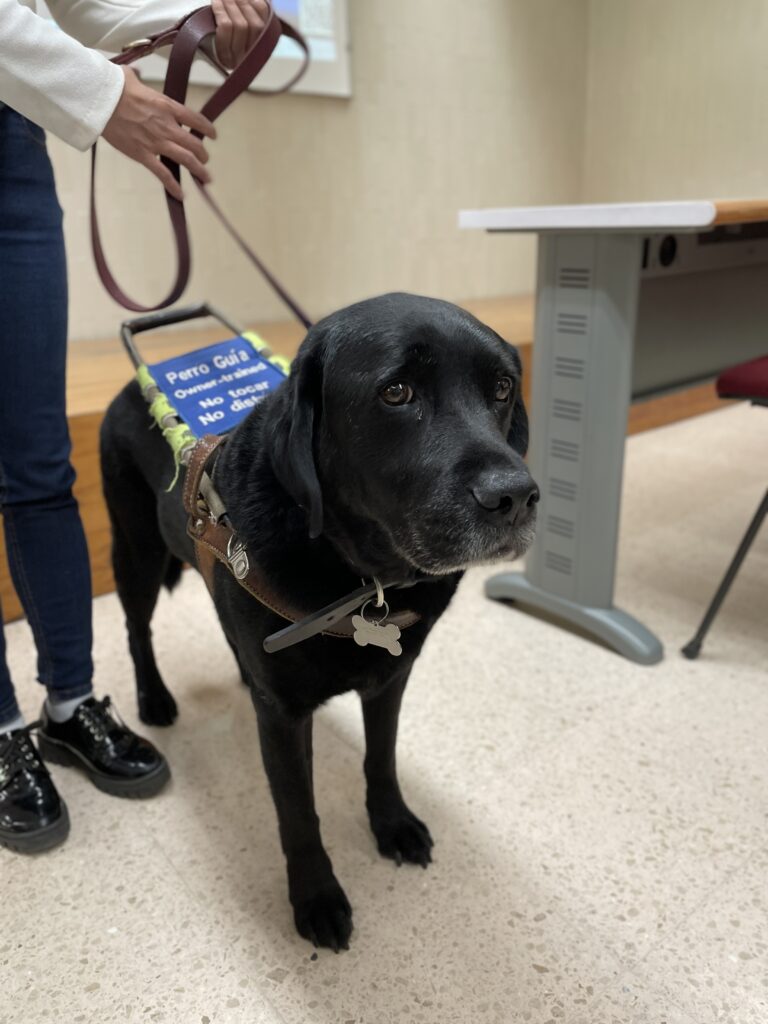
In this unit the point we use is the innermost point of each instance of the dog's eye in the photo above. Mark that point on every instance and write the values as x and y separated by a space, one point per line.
397 393
504 387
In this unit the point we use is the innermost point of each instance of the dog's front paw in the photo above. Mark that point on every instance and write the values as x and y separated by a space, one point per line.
402 836
325 918
157 707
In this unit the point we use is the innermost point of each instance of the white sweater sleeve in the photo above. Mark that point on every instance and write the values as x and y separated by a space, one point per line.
52 77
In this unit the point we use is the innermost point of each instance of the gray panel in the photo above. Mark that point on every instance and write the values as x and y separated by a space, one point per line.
691 326
561 351
581 379
586 309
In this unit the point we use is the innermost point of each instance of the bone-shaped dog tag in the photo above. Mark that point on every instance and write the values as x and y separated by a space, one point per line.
379 636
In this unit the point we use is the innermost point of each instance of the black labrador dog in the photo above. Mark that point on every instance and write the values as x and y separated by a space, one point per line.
394 450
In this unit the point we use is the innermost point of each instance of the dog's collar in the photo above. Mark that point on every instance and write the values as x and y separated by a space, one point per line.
215 540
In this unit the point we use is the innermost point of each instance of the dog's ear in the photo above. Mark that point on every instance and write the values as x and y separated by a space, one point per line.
517 435
293 429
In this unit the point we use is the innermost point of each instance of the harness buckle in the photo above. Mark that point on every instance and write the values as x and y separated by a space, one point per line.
237 557
135 44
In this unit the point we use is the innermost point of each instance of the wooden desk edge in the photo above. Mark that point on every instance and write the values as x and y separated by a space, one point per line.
740 211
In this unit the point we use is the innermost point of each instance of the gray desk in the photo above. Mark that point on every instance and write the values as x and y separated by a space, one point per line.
689 281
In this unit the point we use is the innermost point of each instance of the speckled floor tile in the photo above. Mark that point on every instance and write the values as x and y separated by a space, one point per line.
105 930
158 981
628 846
716 964
631 1001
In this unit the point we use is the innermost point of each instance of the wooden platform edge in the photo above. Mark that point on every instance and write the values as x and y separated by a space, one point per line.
680 404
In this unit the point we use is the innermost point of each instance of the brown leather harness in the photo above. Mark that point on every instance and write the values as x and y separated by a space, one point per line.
215 540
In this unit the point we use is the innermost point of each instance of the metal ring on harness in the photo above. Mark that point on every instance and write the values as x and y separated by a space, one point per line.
384 615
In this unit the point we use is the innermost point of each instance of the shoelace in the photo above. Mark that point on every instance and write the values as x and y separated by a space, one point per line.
19 754
102 724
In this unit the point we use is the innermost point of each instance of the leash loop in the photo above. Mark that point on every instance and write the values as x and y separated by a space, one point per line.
185 39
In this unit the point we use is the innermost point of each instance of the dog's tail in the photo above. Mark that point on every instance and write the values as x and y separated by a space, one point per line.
173 572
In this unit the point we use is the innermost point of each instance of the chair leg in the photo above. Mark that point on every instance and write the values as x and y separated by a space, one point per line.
692 648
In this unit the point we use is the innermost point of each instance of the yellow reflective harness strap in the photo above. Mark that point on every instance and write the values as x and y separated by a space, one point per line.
174 429
281 362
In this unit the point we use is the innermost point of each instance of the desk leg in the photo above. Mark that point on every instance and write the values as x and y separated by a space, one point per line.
586 307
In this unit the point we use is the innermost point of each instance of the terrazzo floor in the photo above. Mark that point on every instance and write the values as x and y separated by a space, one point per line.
601 852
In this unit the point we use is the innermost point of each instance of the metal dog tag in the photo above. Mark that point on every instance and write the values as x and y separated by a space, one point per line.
375 633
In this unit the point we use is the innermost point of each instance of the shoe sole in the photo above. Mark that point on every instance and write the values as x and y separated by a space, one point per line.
41 839
62 754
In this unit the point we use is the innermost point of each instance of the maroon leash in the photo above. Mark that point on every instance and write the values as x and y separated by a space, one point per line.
185 39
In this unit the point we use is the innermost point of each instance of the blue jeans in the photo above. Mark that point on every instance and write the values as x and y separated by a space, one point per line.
44 535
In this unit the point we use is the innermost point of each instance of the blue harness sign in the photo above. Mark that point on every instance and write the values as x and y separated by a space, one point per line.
215 387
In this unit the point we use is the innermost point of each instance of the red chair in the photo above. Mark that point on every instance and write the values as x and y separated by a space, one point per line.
746 381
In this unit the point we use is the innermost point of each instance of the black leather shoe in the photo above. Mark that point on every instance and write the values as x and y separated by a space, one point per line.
33 817
97 742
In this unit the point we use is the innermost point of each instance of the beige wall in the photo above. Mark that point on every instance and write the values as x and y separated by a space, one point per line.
454 105
676 100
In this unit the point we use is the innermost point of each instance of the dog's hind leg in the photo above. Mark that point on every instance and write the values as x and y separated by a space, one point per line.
141 563
399 833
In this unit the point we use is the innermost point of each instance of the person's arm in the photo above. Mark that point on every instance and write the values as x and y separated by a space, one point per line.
77 94
54 80
112 24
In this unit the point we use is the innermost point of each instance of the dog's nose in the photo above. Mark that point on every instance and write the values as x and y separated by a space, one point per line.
504 492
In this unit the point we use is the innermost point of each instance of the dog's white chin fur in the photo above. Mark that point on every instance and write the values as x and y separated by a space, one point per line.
522 541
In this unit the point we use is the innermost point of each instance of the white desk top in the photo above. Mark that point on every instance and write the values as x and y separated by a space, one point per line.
685 215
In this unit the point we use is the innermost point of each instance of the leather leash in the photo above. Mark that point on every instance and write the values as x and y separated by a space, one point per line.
185 39
215 540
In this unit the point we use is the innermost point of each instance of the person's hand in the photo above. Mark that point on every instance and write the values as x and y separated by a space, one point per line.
239 23
146 125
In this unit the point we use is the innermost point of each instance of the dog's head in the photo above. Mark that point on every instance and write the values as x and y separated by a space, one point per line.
403 418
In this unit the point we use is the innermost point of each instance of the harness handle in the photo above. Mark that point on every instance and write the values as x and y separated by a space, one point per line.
186 37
